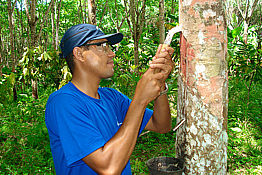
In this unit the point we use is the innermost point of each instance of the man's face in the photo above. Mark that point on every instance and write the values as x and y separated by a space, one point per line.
99 59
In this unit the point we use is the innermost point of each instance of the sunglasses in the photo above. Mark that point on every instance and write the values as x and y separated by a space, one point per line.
104 46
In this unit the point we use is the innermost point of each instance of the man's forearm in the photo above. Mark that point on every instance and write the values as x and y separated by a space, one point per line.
114 155
161 118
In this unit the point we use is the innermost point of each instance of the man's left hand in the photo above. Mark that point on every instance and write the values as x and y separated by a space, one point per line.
163 61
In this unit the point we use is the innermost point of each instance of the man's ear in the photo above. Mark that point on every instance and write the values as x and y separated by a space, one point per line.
77 52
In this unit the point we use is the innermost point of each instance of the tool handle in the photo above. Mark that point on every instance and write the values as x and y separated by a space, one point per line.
163 47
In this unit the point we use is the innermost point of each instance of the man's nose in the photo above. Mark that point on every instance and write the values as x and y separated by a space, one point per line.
111 54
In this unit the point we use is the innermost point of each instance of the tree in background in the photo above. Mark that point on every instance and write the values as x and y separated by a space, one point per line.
34 36
91 12
241 12
161 21
136 23
11 7
202 87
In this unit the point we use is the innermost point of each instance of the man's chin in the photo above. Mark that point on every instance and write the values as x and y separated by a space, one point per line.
108 76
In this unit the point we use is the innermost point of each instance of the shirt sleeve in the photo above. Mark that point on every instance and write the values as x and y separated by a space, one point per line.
78 135
124 103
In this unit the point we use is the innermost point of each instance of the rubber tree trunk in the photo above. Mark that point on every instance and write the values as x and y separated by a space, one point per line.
203 87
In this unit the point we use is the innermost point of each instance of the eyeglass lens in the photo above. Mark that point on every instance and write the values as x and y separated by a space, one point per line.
104 47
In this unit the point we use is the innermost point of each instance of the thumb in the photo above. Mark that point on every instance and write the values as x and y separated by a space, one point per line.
158 50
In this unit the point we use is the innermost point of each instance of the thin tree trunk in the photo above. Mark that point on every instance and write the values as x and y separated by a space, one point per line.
11 30
203 88
12 41
53 14
92 12
21 30
104 11
246 15
34 89
85 12
136 24
32 20
172 10
79 11
45 19
57 24
161 21
1 51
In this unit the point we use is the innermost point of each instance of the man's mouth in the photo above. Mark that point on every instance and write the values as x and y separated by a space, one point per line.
110 62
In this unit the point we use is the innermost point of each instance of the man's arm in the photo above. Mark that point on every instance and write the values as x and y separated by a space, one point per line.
114 155
161 120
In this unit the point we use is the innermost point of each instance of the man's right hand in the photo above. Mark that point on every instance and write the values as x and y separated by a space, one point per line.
149 86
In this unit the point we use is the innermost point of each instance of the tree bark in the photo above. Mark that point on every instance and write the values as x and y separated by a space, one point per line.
104 11
21 29
53 14
203 87
92 12
34 89
85 12
246 14
11 29
172 10
136 24
161 21
57 24
12 41
32 21
1 52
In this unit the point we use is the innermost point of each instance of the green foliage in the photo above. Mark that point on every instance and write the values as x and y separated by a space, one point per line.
24 137
245 126
245 58
6 88
33 62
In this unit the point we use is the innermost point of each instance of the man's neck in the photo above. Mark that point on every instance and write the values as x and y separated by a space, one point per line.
89 86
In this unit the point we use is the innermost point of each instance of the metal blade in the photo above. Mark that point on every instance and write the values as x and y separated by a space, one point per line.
171 34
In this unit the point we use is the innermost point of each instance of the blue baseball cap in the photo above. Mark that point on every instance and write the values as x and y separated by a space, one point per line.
78 35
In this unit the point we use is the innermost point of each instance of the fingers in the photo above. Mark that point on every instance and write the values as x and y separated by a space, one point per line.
164 51
162 63
158 50
165 68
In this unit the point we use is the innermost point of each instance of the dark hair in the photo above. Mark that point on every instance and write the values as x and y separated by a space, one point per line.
70 62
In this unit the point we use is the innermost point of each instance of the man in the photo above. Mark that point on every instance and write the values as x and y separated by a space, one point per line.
93 130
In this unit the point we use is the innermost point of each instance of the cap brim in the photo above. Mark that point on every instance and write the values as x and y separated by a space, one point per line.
112 38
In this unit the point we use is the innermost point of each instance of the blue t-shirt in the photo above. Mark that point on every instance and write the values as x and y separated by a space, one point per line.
79 124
